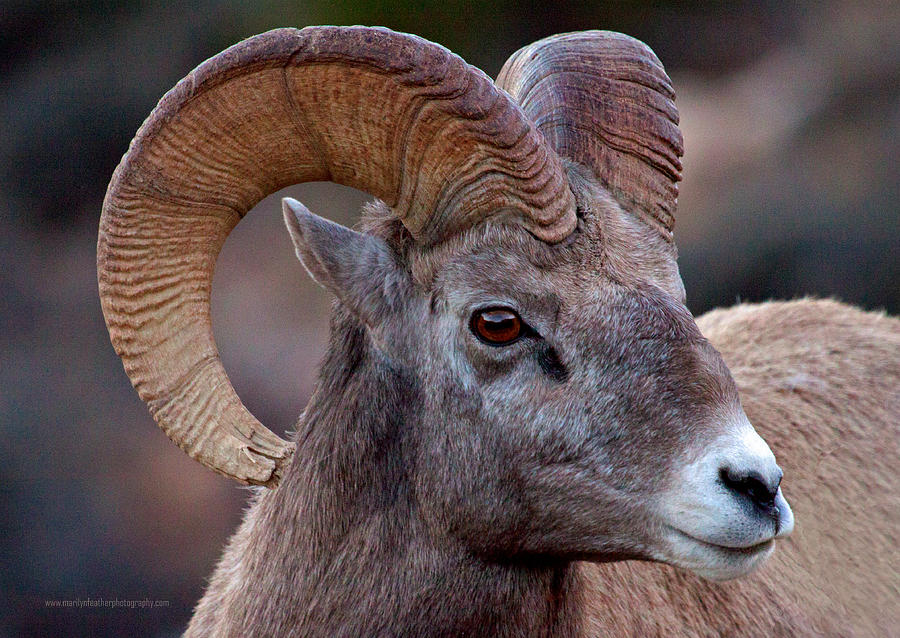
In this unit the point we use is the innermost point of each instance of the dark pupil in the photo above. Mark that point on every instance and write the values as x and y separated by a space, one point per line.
498 326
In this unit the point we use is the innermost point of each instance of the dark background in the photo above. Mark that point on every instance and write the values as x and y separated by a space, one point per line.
790 112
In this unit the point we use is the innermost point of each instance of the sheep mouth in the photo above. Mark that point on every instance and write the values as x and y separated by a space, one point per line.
714 561
745 550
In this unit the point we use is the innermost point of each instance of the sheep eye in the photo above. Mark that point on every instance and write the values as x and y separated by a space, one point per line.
497 326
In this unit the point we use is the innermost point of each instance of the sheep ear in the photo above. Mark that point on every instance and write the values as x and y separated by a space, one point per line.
359 269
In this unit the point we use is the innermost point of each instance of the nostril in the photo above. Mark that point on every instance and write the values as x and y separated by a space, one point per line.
752 485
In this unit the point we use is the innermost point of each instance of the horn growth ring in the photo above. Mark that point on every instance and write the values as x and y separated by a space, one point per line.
384 112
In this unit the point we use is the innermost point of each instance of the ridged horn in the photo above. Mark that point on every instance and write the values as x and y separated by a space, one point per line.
387 113
604 100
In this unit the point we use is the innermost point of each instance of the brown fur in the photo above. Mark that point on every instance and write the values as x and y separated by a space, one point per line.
348 546
443 483
341 548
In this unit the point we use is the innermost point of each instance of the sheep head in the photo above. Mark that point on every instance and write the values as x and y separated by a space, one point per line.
520 267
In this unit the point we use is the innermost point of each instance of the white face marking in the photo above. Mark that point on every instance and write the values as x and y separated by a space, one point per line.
751 447
712 527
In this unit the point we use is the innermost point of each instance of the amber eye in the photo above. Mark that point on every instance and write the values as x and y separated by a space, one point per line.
497 326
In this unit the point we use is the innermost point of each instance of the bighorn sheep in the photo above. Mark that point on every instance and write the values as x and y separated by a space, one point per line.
514 383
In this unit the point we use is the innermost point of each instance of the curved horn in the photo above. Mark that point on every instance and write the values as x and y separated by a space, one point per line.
604 100
391 114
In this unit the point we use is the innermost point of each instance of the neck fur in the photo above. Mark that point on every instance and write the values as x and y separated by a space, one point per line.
339 548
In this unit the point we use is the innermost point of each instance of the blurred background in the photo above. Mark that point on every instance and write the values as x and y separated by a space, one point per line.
791 119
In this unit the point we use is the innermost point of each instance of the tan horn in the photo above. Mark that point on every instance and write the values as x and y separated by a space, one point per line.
604 100
387 113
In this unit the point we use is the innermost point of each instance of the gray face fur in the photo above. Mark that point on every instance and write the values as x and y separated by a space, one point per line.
575 441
